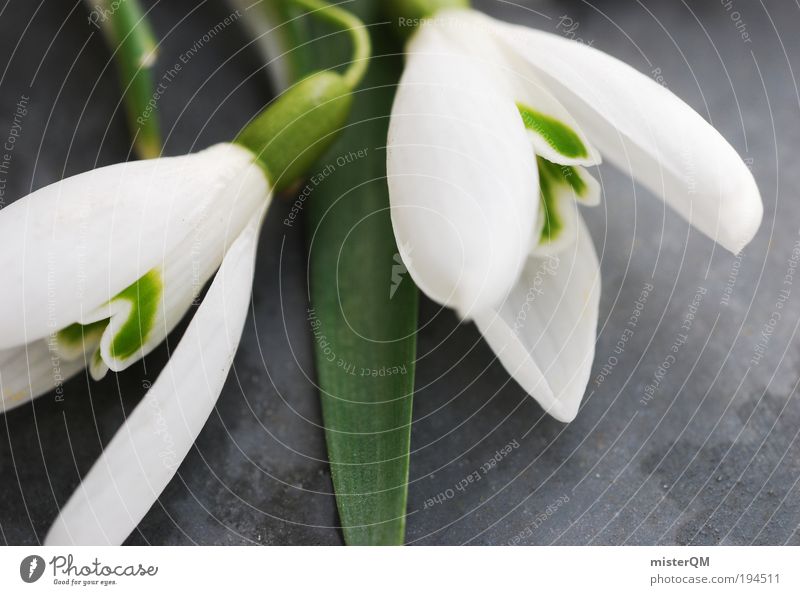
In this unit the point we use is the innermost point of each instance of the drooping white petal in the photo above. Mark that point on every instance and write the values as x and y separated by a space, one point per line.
72 246
645 129
544 333
145 453
462 177
29 371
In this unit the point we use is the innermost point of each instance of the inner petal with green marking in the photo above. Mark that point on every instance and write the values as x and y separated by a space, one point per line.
132 322
559 185
553 221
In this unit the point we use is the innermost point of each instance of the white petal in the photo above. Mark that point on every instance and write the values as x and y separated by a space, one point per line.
544 333
29 371
72 246
462 177
644 128
145 453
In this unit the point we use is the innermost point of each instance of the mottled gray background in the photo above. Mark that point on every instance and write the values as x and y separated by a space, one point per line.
712 458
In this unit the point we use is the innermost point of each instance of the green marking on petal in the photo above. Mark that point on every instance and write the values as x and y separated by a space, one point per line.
97 359
553 224
564 174
77 335
558 135
144 296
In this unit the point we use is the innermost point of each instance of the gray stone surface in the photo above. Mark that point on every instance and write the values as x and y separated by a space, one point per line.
712 458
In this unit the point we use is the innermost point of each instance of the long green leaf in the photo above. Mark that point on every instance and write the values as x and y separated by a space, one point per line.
363 312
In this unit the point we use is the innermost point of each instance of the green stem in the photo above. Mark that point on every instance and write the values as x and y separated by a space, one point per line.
134 46
359 36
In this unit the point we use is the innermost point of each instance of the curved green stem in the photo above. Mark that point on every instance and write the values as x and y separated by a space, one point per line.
409 14
133 44
359 36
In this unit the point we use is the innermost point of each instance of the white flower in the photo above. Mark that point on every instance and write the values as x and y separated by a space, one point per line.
96 270
491 129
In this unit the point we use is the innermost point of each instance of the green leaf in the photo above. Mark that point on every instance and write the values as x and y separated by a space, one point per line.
363 313
553 222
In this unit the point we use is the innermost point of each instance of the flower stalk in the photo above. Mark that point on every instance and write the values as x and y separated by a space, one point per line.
130 37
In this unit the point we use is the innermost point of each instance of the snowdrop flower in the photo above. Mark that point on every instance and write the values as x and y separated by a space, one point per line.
98 268
492 128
